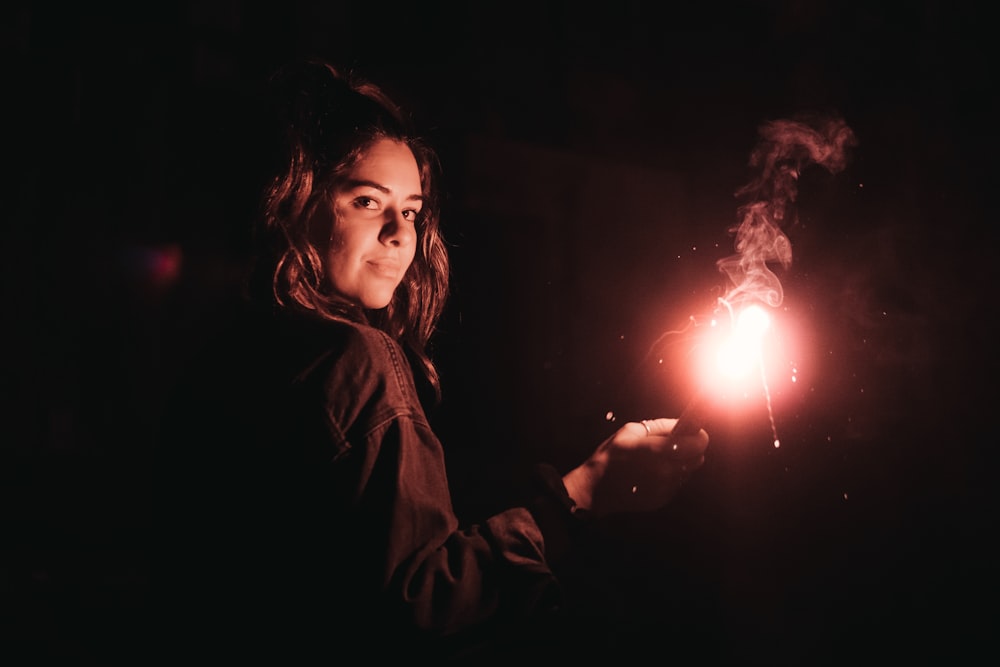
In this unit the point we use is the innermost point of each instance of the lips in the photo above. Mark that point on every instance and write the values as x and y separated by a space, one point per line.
387 268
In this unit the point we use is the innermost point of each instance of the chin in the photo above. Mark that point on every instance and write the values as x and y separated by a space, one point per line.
376 304
377 296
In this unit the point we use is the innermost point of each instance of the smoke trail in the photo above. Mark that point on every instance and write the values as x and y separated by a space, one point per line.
786 148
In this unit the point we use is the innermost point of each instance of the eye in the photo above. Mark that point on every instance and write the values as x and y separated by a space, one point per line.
411 214
366 202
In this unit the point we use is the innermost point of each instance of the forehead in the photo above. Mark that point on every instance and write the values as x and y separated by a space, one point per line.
390 163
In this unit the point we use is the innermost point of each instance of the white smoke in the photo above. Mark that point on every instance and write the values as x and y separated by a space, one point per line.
786 147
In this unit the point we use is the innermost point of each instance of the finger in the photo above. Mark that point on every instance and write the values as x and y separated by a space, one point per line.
660 426
688 447
691 465
664 426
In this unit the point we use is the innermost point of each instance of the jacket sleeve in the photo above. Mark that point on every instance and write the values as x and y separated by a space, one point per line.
428 572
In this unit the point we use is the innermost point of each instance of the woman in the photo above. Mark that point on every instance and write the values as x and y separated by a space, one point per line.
304 498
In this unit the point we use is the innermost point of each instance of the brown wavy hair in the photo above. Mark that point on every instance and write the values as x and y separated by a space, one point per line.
327 119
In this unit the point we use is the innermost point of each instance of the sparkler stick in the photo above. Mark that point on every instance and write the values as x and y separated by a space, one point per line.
691 419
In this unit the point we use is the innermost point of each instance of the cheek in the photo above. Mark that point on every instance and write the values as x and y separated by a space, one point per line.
335 243
337 237
336 257
333 262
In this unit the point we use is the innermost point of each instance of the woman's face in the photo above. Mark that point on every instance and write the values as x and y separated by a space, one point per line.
374 236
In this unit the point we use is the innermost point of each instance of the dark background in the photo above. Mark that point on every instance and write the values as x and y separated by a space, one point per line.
591 156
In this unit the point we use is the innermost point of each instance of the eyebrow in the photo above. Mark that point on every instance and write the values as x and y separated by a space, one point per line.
360 183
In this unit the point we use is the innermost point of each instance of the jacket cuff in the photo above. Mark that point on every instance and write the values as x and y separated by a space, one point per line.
555 512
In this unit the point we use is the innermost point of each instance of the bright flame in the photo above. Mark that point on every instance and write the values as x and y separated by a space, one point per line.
739 353
728 358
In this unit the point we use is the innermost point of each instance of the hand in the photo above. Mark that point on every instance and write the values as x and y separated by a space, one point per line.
639 468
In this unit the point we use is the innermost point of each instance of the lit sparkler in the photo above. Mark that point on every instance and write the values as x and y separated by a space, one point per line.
786 148
729 362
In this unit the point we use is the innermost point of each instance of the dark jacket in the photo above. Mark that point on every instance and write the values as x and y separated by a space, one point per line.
303 503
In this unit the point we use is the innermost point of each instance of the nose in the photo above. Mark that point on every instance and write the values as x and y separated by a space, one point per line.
397 230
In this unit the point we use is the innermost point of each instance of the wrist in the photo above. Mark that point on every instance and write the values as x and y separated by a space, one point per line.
556 489
579 485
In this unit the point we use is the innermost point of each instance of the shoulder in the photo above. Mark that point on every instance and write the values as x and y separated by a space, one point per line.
303 343
328 345
366 340
299 362
360 369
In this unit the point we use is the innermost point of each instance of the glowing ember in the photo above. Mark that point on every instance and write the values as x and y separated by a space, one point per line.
730 355
741 351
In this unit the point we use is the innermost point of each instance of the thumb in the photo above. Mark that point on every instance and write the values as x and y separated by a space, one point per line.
685 444
660 426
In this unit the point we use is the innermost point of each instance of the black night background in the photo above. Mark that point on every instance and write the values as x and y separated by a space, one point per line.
591 154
